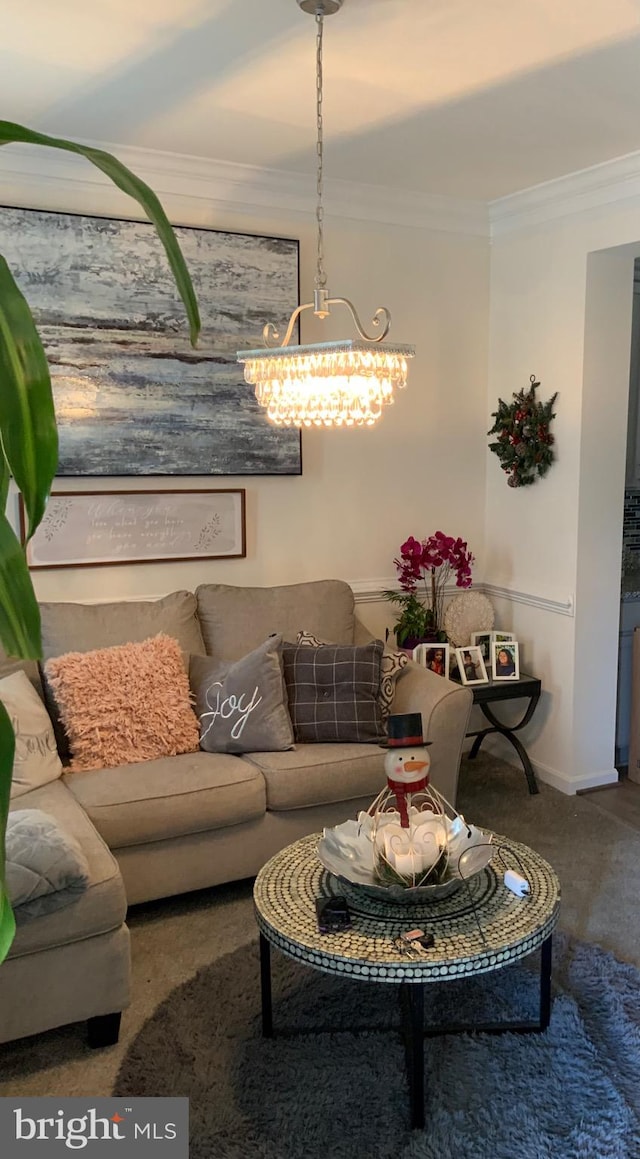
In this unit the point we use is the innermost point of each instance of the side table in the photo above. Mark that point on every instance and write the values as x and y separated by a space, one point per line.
486 694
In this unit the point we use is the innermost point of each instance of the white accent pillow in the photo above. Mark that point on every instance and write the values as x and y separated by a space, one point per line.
36 761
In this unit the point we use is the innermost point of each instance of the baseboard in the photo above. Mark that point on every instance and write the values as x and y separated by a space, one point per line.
558 780
573 785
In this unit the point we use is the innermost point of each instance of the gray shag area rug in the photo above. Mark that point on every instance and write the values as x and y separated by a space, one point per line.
570 1093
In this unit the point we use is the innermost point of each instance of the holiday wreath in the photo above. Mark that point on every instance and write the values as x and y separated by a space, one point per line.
524 444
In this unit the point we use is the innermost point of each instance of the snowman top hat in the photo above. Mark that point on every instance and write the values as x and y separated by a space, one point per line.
405 730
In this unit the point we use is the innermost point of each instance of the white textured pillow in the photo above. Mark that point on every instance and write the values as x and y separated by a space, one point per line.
36 761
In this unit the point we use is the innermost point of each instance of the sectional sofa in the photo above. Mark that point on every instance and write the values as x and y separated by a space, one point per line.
187 822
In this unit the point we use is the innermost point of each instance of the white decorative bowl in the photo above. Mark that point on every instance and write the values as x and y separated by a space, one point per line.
347 852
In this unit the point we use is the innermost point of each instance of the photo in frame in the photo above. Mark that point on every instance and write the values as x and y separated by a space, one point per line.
435 657
471 666
483 641
91 528
500 637
505 660
132 396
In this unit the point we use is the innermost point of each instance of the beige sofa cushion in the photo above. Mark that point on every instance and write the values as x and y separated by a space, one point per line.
317 774
102 906
236 620
169 797
82 627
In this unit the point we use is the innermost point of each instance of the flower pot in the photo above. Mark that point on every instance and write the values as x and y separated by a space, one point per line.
412 642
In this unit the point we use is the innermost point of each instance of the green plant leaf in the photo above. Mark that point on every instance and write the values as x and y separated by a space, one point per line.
4 480
7 750
29 443
132 185
19 611
27 416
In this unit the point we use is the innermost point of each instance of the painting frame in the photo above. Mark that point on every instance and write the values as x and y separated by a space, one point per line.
118 516
511 648
500 637
483 641
133 399
422 654
476 659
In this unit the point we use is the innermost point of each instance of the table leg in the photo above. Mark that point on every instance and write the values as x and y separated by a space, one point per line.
507 732
545 983
265 986
412 1006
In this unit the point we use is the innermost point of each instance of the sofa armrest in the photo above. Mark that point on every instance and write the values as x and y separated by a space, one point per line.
445 708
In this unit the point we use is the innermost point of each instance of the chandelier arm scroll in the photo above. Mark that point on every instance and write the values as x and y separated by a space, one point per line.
271 336
380 314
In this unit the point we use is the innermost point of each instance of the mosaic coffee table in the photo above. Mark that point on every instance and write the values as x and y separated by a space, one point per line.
476 930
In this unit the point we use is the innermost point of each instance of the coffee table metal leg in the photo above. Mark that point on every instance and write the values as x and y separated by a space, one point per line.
412 1007
265 986
545 983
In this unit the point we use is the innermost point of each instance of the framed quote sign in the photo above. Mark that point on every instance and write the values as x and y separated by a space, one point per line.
89 528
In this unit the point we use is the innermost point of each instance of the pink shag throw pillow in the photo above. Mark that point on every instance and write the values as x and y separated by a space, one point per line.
124 704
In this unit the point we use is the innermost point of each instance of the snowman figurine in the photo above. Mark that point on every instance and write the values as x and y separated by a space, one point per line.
409 830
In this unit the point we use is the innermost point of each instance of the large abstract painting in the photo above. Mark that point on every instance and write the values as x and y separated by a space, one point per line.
132 397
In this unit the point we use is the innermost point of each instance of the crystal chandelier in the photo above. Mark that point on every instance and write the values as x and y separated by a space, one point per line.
330 384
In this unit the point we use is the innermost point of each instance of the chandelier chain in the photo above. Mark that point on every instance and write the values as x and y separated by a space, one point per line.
321 276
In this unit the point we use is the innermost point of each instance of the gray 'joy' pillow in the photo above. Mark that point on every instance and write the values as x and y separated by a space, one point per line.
333 692
242 707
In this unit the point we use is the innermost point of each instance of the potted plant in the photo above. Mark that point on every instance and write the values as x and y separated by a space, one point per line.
424 570
29 445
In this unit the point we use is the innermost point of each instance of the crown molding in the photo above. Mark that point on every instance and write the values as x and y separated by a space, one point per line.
30 175
27 172
584 192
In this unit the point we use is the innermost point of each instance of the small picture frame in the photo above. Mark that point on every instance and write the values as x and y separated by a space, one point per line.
505 660
502 637
483 641
471 666
435 657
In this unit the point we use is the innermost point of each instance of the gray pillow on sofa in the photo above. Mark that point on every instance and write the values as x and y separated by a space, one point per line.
45 868
242 707
333 692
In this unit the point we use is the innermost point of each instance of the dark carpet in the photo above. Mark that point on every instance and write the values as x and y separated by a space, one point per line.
571 1093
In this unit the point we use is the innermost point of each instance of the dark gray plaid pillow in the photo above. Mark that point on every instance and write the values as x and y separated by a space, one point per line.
333 692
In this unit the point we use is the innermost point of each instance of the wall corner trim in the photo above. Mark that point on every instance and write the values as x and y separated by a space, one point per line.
564 606
368 591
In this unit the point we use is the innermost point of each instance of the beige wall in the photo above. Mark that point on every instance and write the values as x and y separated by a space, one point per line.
362 491
561 295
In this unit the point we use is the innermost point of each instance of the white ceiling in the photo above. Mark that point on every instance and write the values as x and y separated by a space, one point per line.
454 97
